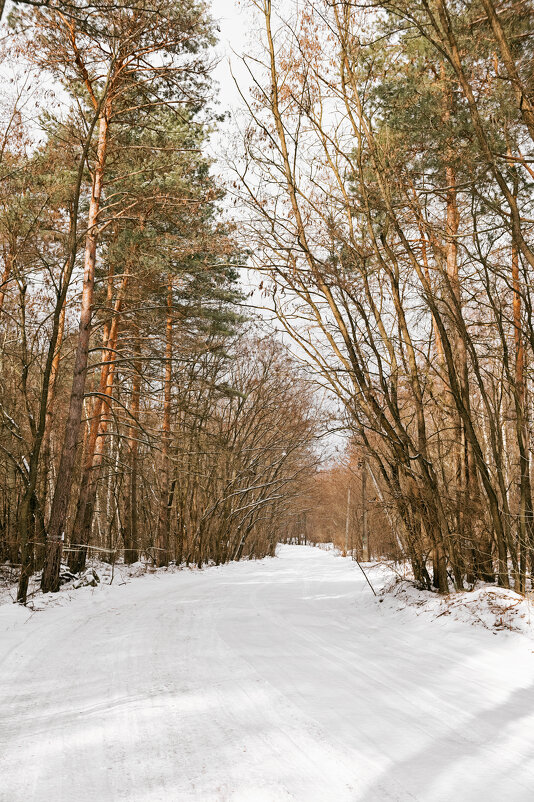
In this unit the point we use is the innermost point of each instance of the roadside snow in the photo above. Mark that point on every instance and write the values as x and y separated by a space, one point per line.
283 680
485 606
106 574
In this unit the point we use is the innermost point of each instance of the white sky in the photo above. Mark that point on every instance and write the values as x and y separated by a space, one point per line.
234 39
234 36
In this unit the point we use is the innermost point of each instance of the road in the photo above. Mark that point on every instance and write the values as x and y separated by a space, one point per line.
260 682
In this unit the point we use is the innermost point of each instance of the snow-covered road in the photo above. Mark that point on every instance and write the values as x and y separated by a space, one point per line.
258 682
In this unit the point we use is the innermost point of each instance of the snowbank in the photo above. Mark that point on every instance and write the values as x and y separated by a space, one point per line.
487 606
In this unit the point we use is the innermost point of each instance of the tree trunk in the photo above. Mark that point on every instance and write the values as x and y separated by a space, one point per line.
365 532
131 554
522 430
94 451
47 454
60 503
34 460
162 542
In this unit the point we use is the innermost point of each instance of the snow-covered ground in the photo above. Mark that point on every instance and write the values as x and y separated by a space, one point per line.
279 680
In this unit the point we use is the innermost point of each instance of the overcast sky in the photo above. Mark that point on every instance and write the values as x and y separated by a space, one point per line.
233 37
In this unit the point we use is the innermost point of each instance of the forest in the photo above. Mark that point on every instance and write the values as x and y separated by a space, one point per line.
143 414
388 170
266 400
378 187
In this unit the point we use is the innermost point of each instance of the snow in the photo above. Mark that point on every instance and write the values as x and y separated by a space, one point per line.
284 679
484 606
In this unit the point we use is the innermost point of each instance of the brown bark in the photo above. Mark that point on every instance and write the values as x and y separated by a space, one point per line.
23 522
131 554
526 534
94 451
49 422
162 542
50 576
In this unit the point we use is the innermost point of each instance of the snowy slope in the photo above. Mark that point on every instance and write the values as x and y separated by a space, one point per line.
258 682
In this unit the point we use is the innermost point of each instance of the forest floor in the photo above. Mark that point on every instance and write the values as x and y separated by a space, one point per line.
284 679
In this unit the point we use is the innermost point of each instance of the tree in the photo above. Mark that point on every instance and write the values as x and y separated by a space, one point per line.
373 217
147 57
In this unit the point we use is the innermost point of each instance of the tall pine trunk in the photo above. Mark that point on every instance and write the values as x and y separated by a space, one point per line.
60 503
162 542
130 528
94 451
